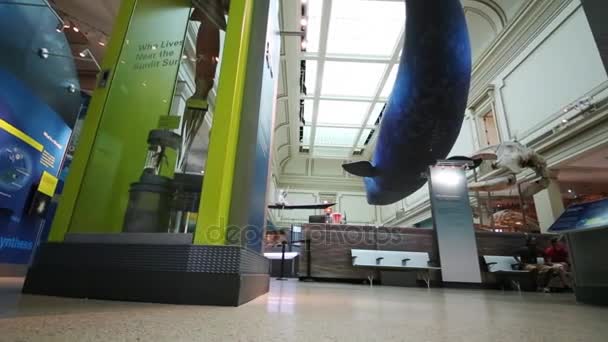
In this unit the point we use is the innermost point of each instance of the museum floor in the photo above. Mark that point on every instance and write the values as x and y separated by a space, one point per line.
295 311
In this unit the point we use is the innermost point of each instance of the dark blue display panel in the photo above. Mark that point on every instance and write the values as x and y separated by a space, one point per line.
38 96
586 216
33 139
254 234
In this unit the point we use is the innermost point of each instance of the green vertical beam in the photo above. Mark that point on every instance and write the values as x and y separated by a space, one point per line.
78 167
211 226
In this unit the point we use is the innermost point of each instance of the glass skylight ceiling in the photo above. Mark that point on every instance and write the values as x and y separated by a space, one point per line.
349 72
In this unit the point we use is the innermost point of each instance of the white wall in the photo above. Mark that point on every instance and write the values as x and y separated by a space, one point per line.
561 65
353 204
298 216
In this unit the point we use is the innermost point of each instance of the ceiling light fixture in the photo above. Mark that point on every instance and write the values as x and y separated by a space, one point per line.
303 21
76 29
83 53
304 44
101 43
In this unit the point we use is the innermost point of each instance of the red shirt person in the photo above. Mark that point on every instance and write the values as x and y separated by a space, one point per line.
556 253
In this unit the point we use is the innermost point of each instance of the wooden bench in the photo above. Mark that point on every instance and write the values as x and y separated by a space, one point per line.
394 260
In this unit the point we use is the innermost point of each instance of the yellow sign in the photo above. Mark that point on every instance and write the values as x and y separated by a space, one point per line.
169 122
21 135
48 184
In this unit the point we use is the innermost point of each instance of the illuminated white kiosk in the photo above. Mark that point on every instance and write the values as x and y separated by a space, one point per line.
454 233
586 228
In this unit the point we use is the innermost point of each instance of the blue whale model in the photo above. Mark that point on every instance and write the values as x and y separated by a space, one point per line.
424 113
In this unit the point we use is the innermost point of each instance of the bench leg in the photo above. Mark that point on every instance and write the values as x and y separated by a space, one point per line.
426 276
516 285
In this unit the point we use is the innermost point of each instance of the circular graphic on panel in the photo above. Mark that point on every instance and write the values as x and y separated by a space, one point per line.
15 168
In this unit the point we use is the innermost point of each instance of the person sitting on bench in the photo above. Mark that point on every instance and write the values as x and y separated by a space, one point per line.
556 256
527 257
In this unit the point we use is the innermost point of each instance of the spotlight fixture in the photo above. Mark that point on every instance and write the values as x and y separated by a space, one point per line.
83 53
304 44
303 21
60 27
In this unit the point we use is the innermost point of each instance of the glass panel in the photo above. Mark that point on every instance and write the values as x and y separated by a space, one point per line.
375 114
361 142
390 82
149 61
342 112
359 27
351 78
308 110
331 152
331 136
315 8
306 137
311 77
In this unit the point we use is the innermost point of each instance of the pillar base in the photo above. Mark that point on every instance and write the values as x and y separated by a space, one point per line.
594 295
172 274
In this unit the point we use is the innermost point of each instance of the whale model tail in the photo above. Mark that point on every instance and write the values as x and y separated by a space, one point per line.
360 168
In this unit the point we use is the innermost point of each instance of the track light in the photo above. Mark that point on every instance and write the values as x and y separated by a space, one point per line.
83 53
59 28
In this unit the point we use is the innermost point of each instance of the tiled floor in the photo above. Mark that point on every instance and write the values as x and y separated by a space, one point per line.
295 311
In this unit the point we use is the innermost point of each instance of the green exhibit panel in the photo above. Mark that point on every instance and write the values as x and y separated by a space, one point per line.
138 91
113 235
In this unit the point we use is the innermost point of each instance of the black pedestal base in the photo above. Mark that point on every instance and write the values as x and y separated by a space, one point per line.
201 275
594 295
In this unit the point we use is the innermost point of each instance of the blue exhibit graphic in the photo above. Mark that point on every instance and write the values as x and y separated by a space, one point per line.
33 140
585 216
15 168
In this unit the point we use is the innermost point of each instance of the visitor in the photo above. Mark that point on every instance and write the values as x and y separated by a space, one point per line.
556 257
528 259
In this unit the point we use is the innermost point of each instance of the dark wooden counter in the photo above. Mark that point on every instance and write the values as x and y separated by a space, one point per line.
331 244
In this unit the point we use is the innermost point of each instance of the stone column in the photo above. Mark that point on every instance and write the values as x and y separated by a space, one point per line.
549 205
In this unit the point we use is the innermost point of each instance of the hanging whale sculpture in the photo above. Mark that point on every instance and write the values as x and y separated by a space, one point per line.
425 110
